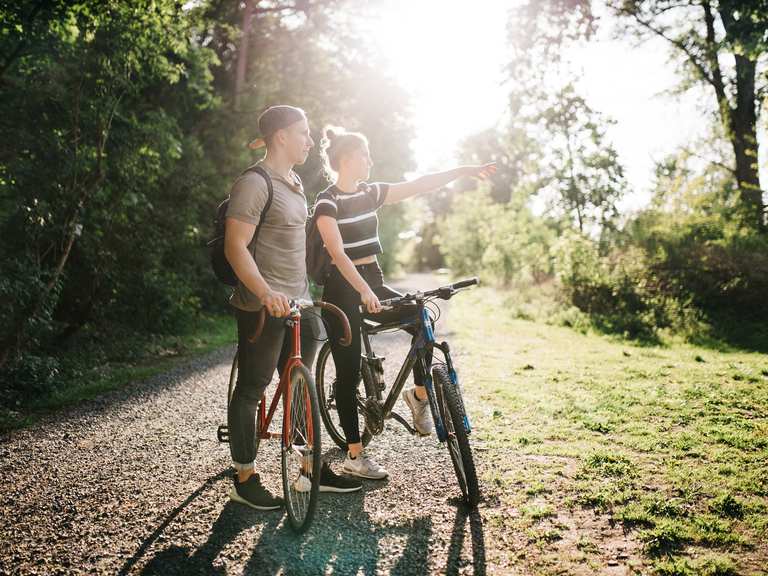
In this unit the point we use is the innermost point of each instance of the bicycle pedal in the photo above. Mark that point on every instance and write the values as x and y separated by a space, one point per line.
222 433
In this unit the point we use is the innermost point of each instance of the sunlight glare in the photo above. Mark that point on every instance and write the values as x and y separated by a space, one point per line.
449 57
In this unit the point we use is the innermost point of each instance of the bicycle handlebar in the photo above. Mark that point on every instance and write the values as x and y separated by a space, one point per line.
296 306
465 283
444 292
347 339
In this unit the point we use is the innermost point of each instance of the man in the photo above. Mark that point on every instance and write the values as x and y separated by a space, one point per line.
270 271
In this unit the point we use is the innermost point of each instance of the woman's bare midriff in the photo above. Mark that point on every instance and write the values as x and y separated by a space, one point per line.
366 260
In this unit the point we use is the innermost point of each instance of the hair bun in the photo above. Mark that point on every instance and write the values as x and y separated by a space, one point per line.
333 132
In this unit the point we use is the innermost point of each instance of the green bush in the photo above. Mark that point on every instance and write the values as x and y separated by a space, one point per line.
28 377
616 290
721 272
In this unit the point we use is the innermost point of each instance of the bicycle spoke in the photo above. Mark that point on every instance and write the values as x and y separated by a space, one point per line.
300 450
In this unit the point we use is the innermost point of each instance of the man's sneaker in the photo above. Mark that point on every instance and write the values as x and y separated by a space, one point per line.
252 493
363 467
422 419
332 482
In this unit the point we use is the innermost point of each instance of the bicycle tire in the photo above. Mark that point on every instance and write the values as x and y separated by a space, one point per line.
324 390
451 410
303 449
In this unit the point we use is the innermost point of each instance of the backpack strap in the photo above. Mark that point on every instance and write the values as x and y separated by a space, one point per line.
270 193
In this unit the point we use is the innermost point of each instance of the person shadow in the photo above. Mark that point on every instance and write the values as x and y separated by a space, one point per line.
175 559
344 539
233 519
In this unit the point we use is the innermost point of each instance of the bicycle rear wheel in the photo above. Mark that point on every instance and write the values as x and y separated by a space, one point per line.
452 413
301 452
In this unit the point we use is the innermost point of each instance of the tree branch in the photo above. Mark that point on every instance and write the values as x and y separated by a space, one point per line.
714 62
677 43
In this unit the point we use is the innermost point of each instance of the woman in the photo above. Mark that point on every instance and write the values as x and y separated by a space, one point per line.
348 223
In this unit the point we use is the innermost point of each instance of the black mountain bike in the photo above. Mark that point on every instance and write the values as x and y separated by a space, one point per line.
452 424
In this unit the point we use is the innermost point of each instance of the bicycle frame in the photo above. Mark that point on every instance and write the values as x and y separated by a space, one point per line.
424 340
283 389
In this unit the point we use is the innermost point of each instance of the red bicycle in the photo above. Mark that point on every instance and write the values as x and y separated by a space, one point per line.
300 434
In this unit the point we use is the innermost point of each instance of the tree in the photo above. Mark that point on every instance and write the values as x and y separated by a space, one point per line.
89 61
721 43
514 151
582 169
121 135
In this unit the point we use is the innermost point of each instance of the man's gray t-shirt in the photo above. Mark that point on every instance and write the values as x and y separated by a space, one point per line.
280 249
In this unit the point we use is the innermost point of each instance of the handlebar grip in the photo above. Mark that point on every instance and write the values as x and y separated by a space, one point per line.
259 325
465 283
347 339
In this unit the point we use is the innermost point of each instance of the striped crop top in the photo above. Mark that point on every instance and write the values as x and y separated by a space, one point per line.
356 216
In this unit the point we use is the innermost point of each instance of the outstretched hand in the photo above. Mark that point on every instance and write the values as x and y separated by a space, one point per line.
481 172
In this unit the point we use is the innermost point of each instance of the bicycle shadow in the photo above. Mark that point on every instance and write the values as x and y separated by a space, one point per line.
343 537
233 519
454 562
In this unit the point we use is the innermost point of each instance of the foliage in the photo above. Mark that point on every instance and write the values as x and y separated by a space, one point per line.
502 242
122 132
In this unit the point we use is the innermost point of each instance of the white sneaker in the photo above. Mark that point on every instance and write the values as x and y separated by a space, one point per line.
302 484
363 467
422 418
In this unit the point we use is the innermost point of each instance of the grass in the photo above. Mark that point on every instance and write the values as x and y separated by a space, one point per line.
90 368
669 440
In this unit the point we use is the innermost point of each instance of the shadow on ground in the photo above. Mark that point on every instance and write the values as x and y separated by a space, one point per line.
343 539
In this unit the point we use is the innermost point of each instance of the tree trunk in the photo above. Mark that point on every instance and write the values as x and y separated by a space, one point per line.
740 121
242 56
743 135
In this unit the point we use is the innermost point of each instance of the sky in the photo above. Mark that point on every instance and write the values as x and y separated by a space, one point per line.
451 61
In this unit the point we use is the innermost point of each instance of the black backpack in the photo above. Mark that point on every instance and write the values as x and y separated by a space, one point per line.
318 258
221 266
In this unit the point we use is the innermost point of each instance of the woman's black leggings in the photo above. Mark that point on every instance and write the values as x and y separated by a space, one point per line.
347 358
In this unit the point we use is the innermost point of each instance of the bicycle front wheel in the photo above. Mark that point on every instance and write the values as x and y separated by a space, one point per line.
327 394
301 452
452 413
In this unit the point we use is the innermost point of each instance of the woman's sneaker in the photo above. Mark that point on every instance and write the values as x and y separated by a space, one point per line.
363 467
422 418
253 493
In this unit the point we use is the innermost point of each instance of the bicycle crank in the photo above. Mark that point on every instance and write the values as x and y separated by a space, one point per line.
373 410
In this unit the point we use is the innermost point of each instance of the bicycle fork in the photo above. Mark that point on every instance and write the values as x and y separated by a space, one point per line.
428 338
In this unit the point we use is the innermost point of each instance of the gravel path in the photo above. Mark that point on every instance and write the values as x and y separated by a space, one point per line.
136 483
